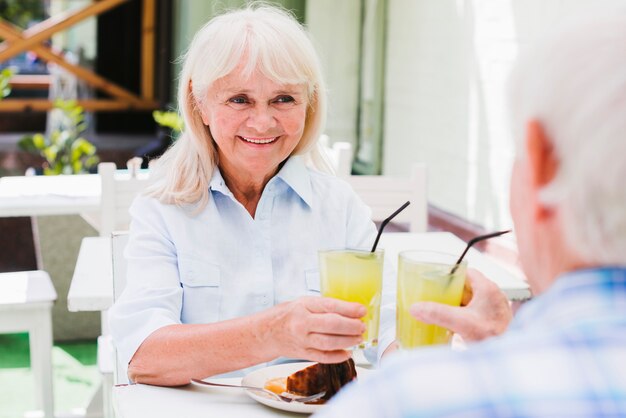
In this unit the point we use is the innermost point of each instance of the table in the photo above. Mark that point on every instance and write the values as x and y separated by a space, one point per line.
510 281
49 195
138 401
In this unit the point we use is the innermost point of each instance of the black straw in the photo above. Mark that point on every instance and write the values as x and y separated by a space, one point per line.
474 241
386 221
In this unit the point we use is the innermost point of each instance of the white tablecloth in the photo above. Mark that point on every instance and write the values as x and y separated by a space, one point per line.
143 401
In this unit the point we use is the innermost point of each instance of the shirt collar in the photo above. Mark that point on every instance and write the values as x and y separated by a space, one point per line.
293 173
576 297
217 182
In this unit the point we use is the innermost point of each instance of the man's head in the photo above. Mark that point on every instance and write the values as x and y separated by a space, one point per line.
568 110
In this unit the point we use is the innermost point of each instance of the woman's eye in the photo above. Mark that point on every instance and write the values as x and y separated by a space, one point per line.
285 99
238 100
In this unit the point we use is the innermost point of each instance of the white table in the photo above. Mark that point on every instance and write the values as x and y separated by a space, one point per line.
49 195
510 281
138 401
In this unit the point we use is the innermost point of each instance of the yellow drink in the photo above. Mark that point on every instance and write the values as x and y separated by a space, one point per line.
425 276
355 276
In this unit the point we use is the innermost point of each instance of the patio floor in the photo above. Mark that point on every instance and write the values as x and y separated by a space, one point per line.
76 377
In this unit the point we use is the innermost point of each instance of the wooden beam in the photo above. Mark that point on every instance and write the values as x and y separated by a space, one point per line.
30 81
44 30
8 31
90 105
147 49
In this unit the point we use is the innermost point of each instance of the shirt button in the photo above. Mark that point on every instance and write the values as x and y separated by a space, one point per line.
265 300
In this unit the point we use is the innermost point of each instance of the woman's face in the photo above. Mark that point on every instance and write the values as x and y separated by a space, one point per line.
255 122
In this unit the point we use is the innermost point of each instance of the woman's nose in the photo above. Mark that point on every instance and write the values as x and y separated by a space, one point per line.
261 119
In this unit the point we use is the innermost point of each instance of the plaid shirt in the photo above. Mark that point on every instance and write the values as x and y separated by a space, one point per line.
564 355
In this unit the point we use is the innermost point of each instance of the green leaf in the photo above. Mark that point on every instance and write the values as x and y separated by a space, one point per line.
39 141
169 119
27 144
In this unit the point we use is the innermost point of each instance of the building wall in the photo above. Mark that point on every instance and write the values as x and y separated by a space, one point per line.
334 27
447 66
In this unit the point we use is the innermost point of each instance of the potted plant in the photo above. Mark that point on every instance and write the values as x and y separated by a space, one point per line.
65 151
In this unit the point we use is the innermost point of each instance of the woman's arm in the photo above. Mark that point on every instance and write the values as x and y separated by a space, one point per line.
313 328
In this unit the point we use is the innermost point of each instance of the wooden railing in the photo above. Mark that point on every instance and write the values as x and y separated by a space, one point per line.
17 41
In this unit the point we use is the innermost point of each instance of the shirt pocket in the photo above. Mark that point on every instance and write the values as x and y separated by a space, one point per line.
312 281
201 291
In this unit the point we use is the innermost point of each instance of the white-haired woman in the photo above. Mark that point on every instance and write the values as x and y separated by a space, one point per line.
222 254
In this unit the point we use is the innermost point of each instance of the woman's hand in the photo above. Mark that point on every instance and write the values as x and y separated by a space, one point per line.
315 328
485 310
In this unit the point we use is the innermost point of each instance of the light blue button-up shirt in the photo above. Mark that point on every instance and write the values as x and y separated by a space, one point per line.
220 263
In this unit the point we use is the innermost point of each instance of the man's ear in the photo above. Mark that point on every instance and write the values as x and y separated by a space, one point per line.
543 162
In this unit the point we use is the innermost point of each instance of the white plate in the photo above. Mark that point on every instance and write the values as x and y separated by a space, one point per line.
261 376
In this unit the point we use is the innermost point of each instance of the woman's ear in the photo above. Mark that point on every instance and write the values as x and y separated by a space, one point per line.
543 163
197 106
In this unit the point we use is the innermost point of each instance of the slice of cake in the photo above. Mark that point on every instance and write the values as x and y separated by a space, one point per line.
321 377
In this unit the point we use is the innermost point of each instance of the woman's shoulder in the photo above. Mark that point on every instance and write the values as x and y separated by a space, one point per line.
145 204
329 182
332 191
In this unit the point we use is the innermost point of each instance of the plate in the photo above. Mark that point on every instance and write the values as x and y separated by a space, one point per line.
261 376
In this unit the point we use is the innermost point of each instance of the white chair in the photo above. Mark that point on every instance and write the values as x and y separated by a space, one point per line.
26 299
118 244
385 194
119 188
340 155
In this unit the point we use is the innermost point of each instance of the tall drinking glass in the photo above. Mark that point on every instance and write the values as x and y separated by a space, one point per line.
355 276
425 276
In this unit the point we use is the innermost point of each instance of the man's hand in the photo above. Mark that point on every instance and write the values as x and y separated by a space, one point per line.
485 310
316 328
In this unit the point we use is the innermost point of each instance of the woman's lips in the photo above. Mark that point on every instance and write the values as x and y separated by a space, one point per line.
261 141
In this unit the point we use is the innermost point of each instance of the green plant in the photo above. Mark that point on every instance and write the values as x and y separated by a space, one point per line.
169 119
5 86
65 150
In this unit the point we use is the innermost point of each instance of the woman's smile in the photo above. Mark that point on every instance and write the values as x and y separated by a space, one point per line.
259 141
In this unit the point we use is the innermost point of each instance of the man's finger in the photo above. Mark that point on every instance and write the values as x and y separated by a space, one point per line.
446 316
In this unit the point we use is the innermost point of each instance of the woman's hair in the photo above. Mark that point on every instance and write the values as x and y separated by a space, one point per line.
270 40
575 86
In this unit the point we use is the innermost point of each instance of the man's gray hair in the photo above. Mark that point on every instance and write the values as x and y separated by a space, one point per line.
574 84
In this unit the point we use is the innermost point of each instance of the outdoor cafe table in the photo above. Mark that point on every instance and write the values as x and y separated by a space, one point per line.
49 195
138 401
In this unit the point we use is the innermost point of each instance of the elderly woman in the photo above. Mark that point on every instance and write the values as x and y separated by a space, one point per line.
222 254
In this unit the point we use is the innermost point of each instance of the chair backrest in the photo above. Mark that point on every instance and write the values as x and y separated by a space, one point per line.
119 188
340 154
119 239
385 194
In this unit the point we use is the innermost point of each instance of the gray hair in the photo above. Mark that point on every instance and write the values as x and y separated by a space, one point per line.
574 84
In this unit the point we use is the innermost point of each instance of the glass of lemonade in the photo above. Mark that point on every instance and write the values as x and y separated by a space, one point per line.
355 276
425 276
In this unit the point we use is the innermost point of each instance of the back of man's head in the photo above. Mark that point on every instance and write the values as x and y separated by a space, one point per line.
574 84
